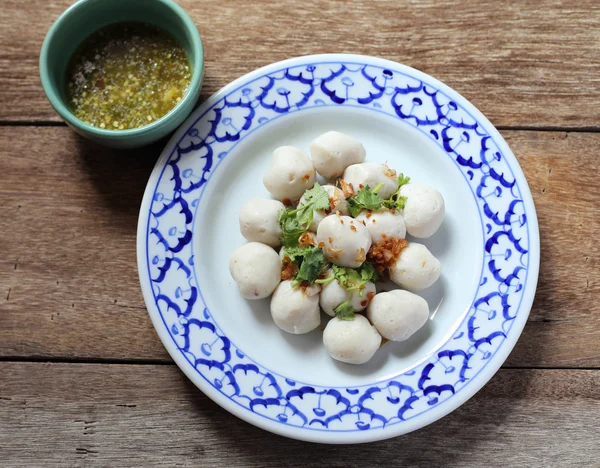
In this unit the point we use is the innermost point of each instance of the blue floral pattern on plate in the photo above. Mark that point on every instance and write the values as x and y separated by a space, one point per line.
167 241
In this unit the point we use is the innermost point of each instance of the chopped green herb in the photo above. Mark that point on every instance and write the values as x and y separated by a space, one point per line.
295 222
317 197
327 280
310 260
352 279
377 188
365 199
296 254
347 277
403 180
345 311
368 272
396 202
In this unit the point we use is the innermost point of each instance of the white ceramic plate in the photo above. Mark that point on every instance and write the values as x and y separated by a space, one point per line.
231 349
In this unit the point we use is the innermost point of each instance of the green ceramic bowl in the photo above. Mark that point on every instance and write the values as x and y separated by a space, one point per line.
86 17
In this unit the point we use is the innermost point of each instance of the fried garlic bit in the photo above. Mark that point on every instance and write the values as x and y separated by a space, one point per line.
306 239
384 254
288 269
346 187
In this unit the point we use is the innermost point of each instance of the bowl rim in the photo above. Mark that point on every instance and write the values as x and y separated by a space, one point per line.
67 115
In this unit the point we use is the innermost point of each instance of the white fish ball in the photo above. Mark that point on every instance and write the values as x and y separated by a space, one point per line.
294 310
256 268
333 294
290 174
351 341
333 152
344 240
372 174
383 224
423 211
416 268
398 314
259 221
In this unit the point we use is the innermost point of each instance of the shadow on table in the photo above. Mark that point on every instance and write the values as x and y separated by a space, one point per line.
119 176
477 425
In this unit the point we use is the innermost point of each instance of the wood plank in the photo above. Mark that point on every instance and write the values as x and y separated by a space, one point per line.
521 63
564 325
123 415
61 296
68 271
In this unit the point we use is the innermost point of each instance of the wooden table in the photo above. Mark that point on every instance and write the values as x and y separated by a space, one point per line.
84 379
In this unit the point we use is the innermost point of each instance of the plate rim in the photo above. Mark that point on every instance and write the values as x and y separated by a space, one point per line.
423 419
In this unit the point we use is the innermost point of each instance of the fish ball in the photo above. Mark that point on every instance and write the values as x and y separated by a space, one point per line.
333 152
383 224
372 174
290 174
256 268
423 210
259 221
351 341
344 240
416 268
398 314
294 310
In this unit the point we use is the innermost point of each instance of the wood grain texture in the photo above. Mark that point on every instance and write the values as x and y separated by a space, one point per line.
130 416
68 273
564 325
527 64
68 279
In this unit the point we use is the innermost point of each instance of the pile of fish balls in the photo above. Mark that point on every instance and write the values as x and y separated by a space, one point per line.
346 242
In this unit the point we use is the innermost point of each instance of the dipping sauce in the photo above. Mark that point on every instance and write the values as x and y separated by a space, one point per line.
127 75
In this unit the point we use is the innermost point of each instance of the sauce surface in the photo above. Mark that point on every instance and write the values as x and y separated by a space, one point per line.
127 75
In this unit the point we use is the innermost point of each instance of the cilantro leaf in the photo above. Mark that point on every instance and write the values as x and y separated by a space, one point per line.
396 202
368 272
317 197
312 266
295 222
365 199
345 311
296 253
347 277
352 279
403 180
310 260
